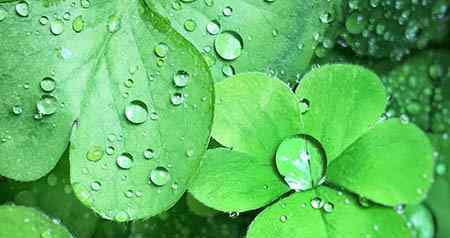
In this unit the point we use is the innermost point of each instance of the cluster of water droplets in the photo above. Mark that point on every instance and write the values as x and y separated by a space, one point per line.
381 28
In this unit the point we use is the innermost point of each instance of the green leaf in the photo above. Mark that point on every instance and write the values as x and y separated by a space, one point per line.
421 221
300 215
233 181
278 37
128 83
180 222
440 191
53 194
254 113
344 101
19 222
391 164
197 207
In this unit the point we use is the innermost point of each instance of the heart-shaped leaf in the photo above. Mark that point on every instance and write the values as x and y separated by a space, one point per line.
19 222
323 213
375 159
138 95
232 39
341 103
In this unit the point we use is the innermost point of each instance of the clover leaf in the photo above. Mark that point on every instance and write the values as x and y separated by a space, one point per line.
133 97
232 33
19 222
326 142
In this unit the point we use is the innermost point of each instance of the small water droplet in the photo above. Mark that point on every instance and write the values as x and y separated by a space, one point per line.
43 20
114 24
96 186
57 27
149 154
283 219
316 203
22 9
228 70
47 105
124 161
228 45
17 110
190 25
95 153
441 168
136 112
177 99
181 78
161 50
78 24
213 27
227 11
48 84
159 176
328 207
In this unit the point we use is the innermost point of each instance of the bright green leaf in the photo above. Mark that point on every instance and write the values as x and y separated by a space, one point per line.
391 164
325 213
277 37
139 98
20 222
254 113
343 102
233 181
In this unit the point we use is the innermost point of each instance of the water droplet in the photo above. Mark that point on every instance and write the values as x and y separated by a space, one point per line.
233 214
228 70
213 27
43 20
48 84
301 161
326 17
162 49
17 110
364 202
47 105
96 186
189 153
159 176
114 24
328 207
441 168
316 203
177 99
129 83
124 161
57 27
110 150
136 112
228 45
95 153
85 3
304 105
283 219
190 25
149 154
121 216
181 78
78 24
227 11
22 9
3 14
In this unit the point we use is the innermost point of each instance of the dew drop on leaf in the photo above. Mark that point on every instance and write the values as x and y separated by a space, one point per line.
190 25
162 49
149 154
441 168
177 99
283 219
213 27
96 186
229 45
301 161
22 9
124 161
317 203
227 11
181 78
136 112
17 110
57 27
159 176
48 84
228 70
85 3
47 105
114 24
43 20
95 153
78 24
328 207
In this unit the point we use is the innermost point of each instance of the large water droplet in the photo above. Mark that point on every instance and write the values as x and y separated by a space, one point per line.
136 112
301 161
95 153
48 84
57 27
181 78
125 161
229 45
22 9
159 176
47 105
